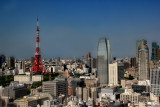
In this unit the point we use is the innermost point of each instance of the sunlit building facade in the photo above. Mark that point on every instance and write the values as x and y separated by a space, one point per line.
143 62
138 43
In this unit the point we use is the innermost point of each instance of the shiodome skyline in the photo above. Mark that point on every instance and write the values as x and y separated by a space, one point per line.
71 28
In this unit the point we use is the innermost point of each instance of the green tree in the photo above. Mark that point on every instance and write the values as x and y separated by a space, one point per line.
36 84
5 80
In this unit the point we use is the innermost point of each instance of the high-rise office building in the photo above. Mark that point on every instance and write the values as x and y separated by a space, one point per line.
86 94
93 62
56 87
121 72
11 63
155 47
133 62
138 43
94 93
79 93
113 74
143 62
32 60
2 60
15 90
154 80
103 60
88 59
21 67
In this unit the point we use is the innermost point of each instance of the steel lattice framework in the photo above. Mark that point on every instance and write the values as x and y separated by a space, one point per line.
38 67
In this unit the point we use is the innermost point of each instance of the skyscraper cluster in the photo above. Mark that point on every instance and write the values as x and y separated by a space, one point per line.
89 81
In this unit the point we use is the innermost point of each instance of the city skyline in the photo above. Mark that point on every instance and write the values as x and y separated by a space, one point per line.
72 28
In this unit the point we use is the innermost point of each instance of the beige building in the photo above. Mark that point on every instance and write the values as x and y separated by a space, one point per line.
79 93
90 93
91 82
128 83
56 87
129 95
113 74
154 98
143 62
28 78
86 94
30 101
94 93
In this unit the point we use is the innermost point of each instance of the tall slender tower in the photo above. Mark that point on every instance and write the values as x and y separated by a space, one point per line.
38 64
143 62
138 43
103 61
155 47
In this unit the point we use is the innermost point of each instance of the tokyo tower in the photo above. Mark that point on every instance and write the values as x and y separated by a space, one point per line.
38 67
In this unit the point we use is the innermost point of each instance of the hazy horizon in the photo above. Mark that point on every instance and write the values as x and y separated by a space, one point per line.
71 28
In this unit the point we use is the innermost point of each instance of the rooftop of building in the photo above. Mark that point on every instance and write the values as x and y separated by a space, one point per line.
33 97
58 79
16 85
120 90
131 93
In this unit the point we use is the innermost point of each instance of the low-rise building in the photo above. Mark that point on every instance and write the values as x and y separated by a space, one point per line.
128 83
28 78
15 90
56 87
131 96
107 94
31 101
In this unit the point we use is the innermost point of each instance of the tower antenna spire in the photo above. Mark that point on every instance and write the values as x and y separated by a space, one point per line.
38 67
37 24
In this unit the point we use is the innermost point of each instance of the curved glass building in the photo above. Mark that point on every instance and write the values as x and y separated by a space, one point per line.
143 62
103 60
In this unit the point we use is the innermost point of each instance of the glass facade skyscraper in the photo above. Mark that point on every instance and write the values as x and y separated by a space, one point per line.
154 80
103 60
155 47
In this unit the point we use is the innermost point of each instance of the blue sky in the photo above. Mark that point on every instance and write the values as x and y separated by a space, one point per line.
71 28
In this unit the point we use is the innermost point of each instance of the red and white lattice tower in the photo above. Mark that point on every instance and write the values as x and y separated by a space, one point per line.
38 67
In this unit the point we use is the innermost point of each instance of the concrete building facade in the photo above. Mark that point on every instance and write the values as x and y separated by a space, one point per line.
138 43
113 74
56 87
129 95
143 62
79 93
30 101
15 90
154 80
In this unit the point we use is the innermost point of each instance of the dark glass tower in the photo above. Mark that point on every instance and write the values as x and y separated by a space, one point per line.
11 63
103 60
155 47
